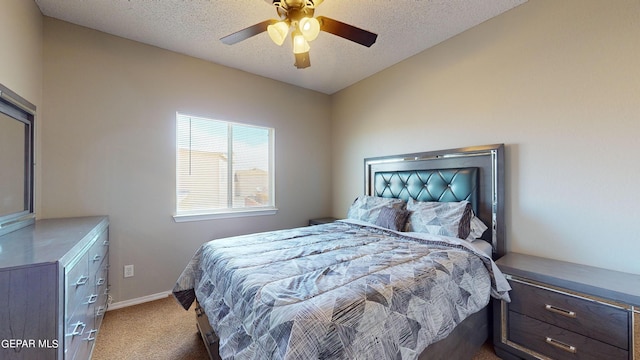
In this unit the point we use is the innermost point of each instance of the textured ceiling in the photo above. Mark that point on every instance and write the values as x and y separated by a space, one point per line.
194 27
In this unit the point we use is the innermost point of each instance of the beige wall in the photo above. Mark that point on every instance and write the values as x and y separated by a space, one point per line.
21 61
21 41
109 146
558 82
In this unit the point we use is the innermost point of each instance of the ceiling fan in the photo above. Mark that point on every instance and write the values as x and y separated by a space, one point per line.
297 15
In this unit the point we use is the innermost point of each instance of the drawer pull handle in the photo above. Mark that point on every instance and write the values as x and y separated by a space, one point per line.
105 243
76 327
100 282
92 335
82 280
97 258
561 345
100 311
560 311
93 298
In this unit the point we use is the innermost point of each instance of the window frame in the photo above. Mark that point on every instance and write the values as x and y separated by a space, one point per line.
228 212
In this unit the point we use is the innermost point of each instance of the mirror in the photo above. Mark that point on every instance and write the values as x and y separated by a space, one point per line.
16 161
12 186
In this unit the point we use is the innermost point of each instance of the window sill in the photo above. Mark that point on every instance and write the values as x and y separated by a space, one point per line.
223 215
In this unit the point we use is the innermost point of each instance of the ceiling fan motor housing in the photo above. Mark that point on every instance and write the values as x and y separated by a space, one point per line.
288 4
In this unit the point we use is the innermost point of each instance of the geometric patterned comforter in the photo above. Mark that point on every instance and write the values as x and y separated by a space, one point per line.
336 291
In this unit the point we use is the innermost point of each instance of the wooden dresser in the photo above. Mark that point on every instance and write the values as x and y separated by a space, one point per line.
53 288
560 310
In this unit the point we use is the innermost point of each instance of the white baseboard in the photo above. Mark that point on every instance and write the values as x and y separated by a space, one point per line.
136 301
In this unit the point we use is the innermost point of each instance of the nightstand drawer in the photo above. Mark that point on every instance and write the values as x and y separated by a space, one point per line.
589 318
559 343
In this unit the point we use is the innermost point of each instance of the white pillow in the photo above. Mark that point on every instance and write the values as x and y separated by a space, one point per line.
477 229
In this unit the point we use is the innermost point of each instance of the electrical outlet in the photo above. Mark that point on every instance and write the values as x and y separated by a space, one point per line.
128 271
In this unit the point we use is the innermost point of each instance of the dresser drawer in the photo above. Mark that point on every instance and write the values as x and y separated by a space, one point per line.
102 289
78 283
559 343
77 330
101 278
98 252
591 319
83 322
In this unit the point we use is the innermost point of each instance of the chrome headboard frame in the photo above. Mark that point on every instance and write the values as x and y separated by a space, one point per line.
490 161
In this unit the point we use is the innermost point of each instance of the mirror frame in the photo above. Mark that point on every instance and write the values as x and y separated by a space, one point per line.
16 107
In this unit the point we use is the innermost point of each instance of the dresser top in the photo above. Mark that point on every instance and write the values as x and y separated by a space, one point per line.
49 240
609 284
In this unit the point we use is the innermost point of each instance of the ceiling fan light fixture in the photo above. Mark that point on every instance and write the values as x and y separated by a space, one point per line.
278 32
309 27
300 44
302 60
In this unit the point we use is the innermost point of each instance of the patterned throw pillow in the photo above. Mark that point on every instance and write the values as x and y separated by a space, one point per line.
440 218
477 228
392 218
367 208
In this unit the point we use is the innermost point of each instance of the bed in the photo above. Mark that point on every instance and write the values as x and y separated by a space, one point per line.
407 275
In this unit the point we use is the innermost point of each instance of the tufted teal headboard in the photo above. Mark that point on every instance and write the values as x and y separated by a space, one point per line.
439 185
475 174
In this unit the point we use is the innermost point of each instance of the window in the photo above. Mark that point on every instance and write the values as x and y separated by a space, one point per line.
223 168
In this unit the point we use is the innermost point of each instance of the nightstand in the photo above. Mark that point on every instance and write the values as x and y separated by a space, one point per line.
325 220
561 310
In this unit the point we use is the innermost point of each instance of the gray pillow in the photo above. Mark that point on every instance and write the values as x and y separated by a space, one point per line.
367 208
392 218
440 218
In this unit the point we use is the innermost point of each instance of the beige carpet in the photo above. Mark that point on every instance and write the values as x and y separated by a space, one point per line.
162 330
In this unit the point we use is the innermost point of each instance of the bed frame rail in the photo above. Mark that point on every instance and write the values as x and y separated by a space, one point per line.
209 337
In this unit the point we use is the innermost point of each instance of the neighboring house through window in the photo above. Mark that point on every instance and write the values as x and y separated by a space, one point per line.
222 169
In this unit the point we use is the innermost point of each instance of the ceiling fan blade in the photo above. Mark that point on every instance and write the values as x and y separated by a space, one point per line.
246 33
349 32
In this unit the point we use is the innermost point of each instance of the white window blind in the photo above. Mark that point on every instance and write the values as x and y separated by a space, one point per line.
223 166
